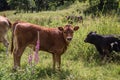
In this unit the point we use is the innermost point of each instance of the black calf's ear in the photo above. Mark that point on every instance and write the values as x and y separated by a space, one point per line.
95 31
60 28
76 28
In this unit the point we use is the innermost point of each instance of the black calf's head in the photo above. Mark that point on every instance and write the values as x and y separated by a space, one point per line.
90 37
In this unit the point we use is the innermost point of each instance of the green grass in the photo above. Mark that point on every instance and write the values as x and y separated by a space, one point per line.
79 62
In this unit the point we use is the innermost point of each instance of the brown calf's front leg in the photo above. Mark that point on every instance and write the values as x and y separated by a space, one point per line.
56 61
53 55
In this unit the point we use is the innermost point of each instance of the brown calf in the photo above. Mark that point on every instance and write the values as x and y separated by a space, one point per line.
5 24
52 40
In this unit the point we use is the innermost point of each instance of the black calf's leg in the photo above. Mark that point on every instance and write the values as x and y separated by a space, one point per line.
99 49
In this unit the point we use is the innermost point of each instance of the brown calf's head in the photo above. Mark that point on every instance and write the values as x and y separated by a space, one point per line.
68 31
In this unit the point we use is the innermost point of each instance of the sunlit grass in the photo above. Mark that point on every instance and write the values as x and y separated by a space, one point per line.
80 61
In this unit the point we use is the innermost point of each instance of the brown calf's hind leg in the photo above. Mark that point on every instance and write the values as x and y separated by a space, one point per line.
17 56
6 44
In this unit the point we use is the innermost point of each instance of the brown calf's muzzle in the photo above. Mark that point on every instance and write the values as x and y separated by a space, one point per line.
69 38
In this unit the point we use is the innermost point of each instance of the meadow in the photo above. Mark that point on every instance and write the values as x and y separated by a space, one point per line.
81 60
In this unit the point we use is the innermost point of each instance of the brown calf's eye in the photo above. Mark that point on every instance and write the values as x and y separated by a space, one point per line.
65 32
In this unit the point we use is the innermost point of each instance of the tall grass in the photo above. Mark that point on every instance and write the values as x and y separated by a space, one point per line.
79 62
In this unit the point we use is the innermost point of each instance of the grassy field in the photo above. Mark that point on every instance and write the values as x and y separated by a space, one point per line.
81 60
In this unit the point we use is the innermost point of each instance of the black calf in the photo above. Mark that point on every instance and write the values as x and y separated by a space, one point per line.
104 44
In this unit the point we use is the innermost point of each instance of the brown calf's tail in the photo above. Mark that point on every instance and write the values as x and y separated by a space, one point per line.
13 28
10 24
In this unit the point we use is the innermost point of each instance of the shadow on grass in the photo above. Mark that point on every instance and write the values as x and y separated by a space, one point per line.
113 58
2 50
48 73
2 54
116 57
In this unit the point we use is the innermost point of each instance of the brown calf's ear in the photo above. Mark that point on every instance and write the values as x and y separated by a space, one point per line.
76 28
60 28
4 15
